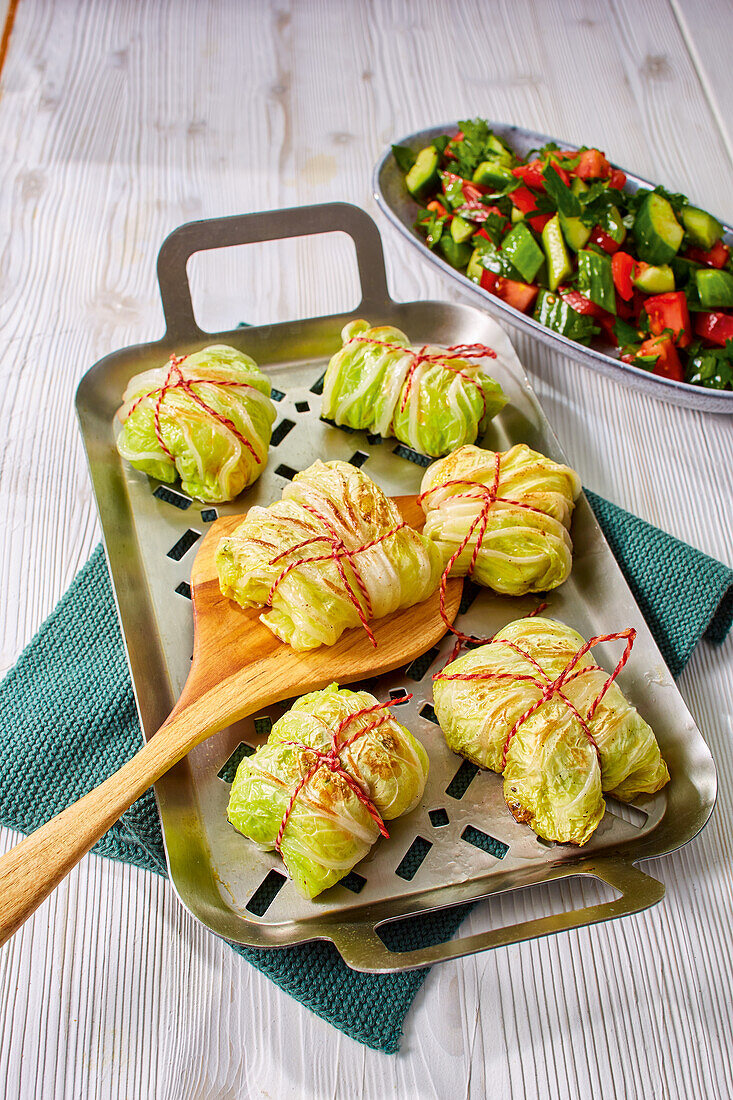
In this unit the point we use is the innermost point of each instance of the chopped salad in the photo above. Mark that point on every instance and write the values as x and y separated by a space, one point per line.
555 235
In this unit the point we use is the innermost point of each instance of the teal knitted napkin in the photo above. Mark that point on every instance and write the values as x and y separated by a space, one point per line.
68 720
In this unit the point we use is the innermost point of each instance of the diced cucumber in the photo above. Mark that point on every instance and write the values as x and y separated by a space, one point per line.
702 228
492 173
516 215
475 267
575 232
423 176
595 279
578 186
558 261
657 231
500 150
523 252
460 229
457 254
487 255
554 313
655 280
715 288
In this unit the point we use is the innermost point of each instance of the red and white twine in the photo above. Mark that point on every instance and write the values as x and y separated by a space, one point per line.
549 688
332 760
441 357
489 496
338 551
175 380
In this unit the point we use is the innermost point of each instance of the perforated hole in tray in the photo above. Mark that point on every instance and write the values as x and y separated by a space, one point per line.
413 858
184 544
281 430
229 768
462 780
266 893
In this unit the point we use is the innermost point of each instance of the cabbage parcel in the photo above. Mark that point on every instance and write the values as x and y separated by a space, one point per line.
332 554
375 382
325 828
206 418
525 545
554 772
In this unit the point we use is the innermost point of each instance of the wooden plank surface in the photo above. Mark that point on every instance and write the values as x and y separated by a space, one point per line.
118 121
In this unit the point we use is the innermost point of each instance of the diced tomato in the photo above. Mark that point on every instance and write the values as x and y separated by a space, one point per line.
524 200
580 303
669 311
531 174
448 151
489 280
622 269
717 256
668 363
714 328
539 221
519 295
605 240
617 179
482 233
437 207
592 165
472 192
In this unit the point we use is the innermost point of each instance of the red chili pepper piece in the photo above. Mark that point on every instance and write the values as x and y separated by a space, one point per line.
668 363
605 240
581 304
622 269
669 311
714 328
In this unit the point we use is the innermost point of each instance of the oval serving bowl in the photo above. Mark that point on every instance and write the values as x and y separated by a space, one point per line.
401 209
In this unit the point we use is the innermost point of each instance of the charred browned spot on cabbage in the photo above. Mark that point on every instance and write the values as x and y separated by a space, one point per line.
520 813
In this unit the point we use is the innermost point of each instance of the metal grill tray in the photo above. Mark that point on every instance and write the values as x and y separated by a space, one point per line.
401 209
461 843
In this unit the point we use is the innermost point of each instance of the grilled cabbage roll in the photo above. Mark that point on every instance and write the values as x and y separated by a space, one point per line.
287 557
206 418
329 828
433 408
525 546
554 777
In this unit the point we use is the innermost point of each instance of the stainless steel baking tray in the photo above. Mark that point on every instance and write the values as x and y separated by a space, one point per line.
469 844
401 209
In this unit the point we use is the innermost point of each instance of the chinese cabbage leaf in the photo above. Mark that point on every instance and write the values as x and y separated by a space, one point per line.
525 546
554 773
375 382
329 828
333 553
206 418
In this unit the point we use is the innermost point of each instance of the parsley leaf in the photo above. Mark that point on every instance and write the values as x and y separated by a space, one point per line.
405 157
567 203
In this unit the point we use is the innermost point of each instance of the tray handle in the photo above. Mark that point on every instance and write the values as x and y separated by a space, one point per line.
269 225
362 949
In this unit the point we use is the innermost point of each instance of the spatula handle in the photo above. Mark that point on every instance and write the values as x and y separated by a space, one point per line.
34 868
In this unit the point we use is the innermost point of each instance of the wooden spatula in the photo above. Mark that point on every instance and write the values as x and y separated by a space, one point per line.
238 668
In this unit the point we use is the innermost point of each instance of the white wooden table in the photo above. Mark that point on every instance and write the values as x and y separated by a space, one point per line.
120 120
